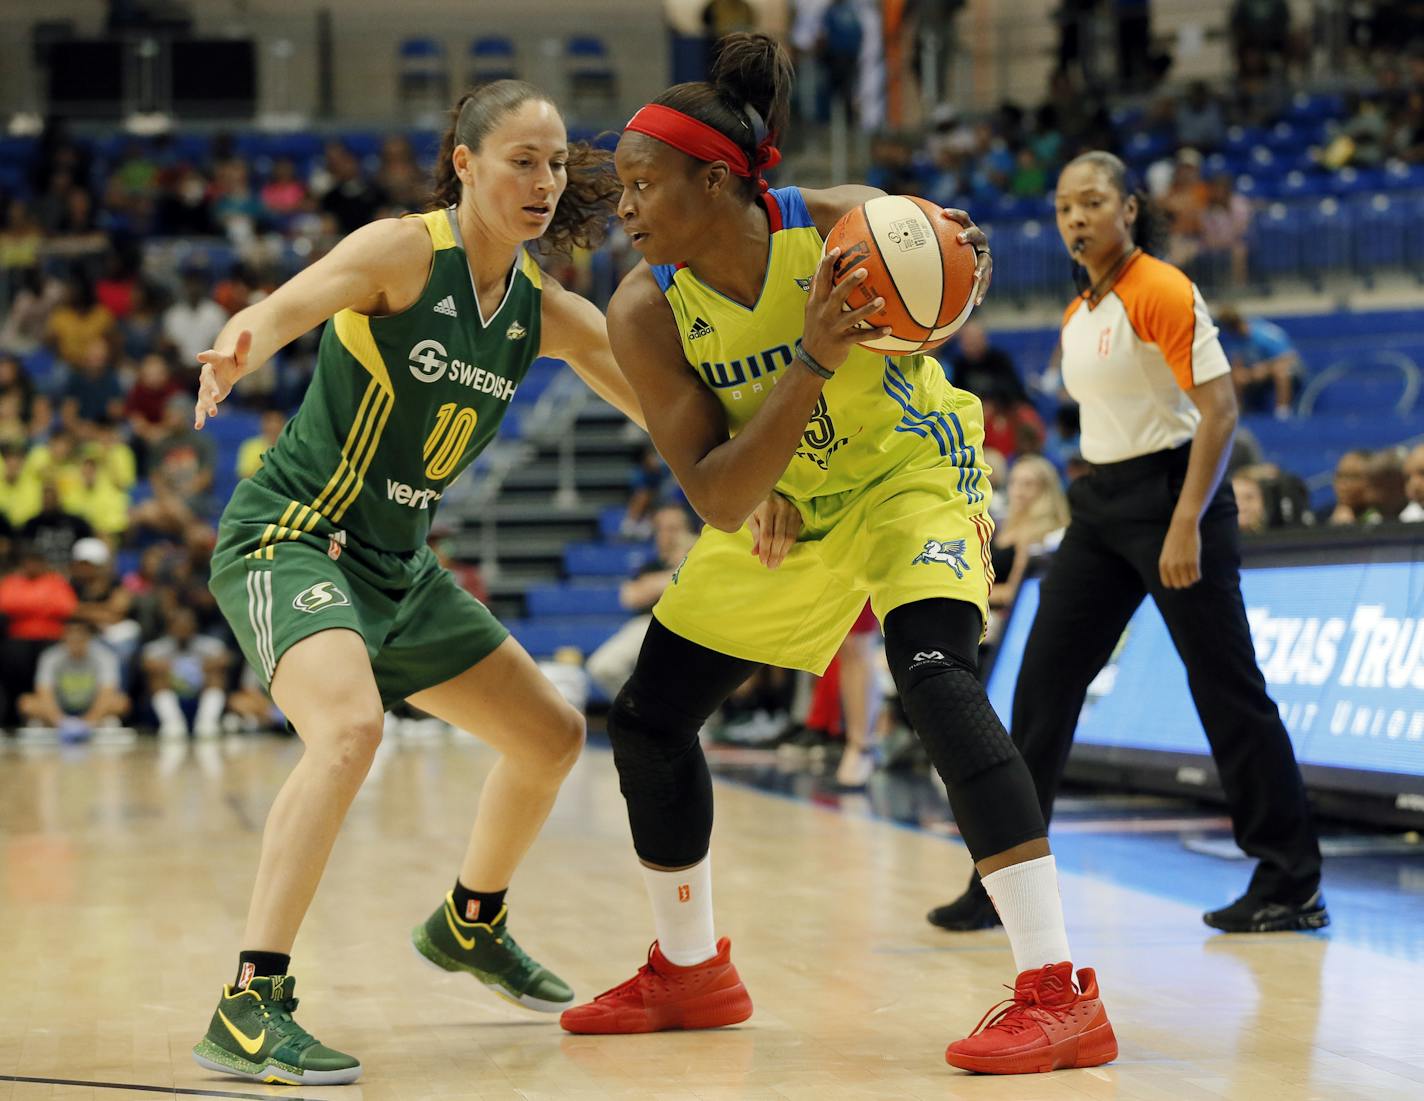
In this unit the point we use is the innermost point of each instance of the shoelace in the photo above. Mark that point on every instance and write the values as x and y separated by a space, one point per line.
279 1015
646 969
1023 1010
505 940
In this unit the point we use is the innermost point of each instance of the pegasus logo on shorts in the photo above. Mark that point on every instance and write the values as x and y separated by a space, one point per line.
324 594
950 553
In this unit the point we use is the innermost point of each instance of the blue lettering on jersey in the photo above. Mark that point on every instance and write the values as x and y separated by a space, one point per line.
721 376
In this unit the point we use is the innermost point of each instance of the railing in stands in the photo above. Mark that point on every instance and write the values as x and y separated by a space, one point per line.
550 420
1343 368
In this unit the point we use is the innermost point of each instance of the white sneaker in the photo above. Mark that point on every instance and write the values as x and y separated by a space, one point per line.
855 769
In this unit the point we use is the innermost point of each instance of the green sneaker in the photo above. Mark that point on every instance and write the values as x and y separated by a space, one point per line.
253 1035
489 952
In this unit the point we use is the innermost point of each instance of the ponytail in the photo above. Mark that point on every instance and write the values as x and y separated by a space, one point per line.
746 98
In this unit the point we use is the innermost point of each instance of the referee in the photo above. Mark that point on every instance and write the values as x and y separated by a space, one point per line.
1153 517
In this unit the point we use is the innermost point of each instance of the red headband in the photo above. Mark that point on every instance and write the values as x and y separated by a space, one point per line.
688 135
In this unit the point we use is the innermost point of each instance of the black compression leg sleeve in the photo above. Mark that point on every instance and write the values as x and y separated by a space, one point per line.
932 647
653 727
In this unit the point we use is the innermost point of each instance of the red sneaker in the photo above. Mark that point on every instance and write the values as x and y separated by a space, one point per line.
663 996
1047 1025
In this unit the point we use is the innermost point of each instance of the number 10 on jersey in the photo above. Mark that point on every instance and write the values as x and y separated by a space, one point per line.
448 439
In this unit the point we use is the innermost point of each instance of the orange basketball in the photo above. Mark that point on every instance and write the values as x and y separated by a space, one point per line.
914 261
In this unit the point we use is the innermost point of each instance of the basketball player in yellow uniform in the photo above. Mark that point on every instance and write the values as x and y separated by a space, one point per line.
746 364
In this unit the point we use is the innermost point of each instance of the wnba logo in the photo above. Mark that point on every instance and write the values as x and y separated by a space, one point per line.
1104 343
684 892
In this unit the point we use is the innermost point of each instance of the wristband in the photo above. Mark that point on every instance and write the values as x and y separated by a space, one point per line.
810 364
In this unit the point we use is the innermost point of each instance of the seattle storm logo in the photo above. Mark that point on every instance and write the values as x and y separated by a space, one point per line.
950 553
323 594
427 360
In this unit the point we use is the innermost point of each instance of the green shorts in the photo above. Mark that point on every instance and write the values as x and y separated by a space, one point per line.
281 573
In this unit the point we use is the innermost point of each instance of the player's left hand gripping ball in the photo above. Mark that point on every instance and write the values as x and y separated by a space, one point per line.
983 258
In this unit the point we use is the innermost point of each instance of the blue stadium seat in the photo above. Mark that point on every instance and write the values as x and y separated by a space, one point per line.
422 77
1148 146
601 560
1276 241
1398 176
1311 109
1381 228
1247 185
580 600
491 58
1296 184
588 69
1414 235
1355 181
544 637
1283 138
1028 258
610 522
1328 241
421 50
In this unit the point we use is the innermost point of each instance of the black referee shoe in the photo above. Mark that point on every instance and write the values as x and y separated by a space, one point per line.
971 910
1252 914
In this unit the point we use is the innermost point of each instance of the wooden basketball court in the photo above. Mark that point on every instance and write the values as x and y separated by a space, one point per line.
125 880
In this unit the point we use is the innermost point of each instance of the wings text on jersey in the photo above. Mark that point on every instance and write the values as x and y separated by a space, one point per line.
721 376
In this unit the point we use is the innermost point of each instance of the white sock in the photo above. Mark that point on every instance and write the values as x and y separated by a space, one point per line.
682 912
207 722
1026 896
171 721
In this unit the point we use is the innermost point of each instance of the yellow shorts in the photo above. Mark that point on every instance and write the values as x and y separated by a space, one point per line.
911 536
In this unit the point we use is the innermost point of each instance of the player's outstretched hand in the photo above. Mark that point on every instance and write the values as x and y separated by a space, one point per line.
832 329
220 371
983 260
774 525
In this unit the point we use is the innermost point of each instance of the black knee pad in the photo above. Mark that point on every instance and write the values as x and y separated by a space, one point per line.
945 701
650 738
663 776
932 647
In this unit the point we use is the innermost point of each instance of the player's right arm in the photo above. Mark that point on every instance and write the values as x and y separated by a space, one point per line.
725 477
381 268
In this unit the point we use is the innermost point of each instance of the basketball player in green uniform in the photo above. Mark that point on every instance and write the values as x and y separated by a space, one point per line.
747 361
321 565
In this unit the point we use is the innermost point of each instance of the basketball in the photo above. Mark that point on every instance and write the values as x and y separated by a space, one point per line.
915 261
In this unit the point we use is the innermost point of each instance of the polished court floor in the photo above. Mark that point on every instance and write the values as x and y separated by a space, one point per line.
124 874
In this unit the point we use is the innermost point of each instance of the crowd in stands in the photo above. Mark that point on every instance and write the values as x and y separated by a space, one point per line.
121 258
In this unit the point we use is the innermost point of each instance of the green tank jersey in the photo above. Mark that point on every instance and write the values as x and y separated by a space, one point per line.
400 405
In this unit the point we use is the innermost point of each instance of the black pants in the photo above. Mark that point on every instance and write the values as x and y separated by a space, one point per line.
1106 564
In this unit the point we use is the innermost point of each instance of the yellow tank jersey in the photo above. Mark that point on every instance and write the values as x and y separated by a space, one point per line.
878 414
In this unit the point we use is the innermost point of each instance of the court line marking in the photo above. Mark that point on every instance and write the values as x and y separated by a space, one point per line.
175 1091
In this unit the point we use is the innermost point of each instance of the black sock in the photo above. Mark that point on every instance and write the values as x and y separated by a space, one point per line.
253 965
477 905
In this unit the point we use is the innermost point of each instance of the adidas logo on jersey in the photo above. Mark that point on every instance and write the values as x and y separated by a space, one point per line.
804 284
446 306
516 331
699 328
